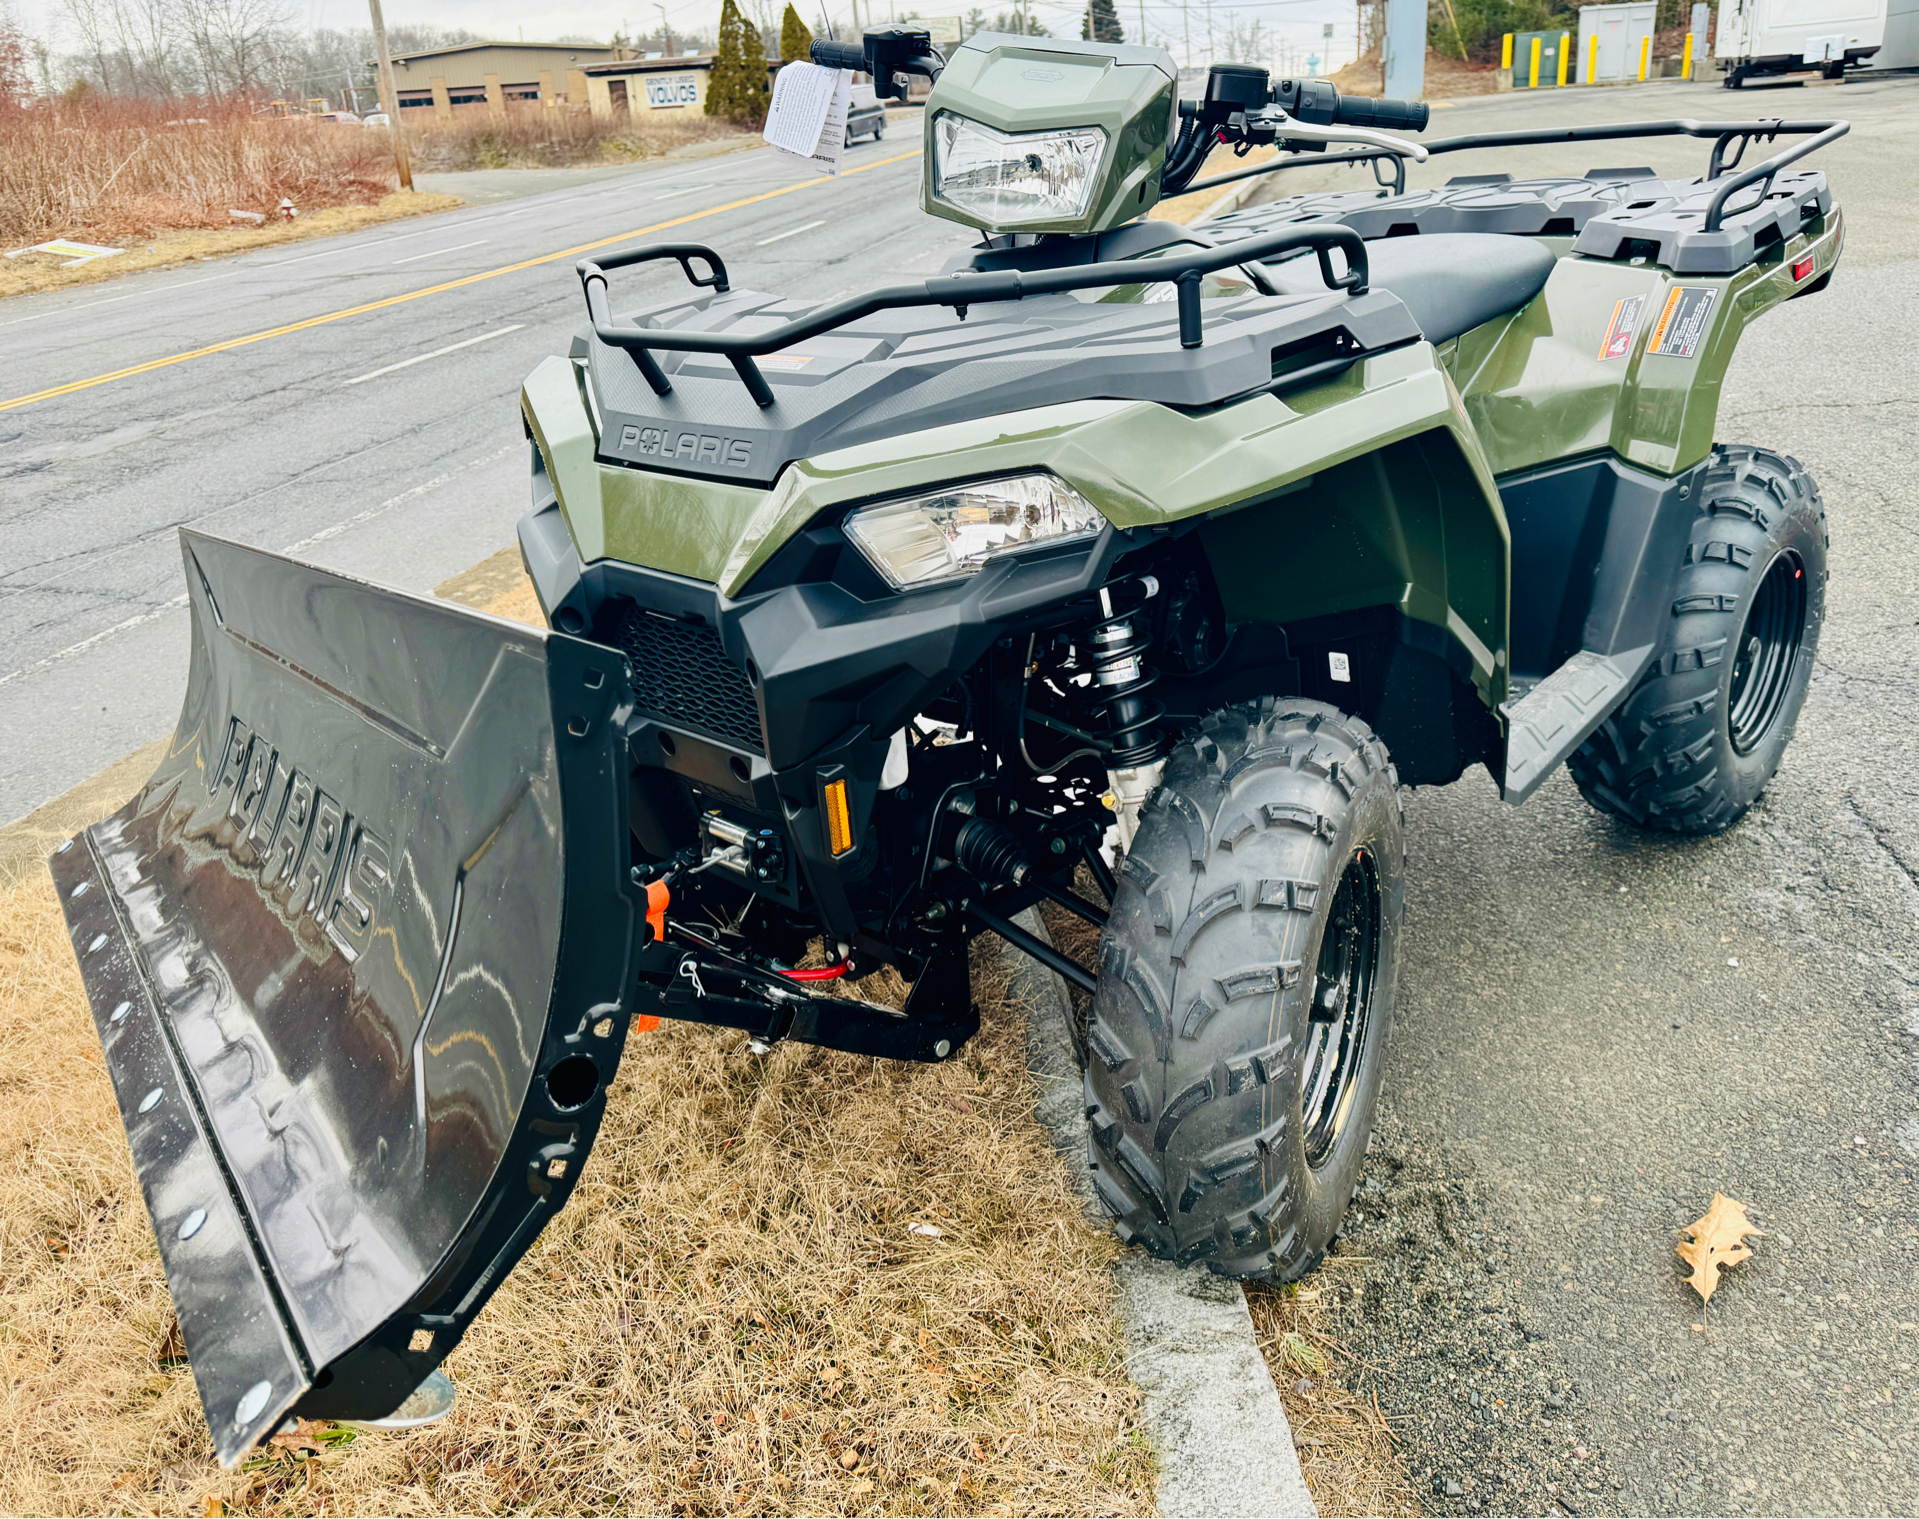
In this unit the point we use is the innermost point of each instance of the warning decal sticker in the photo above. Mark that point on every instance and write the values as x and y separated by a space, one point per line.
1682 323
1625 323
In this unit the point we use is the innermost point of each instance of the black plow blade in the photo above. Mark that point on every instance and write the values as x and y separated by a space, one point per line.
359 957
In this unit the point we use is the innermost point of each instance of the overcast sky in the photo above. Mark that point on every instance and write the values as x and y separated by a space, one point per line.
1299 22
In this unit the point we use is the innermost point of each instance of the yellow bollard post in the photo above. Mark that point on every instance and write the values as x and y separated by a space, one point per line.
1592 59
1645 57
1565 56
1685 69
1506 51
1532 78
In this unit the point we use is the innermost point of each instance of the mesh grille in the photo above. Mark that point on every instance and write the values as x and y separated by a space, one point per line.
682 674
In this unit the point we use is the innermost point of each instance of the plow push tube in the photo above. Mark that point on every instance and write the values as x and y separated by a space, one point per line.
360 955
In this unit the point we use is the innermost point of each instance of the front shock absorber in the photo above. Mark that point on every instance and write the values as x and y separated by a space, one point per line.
1121 679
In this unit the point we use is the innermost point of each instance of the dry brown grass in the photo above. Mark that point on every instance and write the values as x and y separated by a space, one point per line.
1347 1449
113 170
533 137
730 1316
167 250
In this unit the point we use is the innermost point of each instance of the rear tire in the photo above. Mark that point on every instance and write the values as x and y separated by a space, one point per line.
1695 744
1265 886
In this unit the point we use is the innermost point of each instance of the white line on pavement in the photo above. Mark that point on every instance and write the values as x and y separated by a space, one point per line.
794 232
140 619
130 295
421 358
400 500
436 252
376 242
689 190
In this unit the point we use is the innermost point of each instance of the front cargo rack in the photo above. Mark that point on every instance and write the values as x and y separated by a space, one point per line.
1184 271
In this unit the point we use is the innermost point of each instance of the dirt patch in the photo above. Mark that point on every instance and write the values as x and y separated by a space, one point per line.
1423 1299
166 250
1447 78
734 1314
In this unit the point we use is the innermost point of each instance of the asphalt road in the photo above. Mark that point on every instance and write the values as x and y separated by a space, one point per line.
1597 1029
1600 1029
296 442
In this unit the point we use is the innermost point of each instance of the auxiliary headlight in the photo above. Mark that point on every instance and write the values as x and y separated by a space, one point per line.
953 532
1008 179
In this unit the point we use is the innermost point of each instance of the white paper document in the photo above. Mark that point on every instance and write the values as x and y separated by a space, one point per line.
807 119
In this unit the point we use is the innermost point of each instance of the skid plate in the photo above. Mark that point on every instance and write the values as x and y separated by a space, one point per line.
359 954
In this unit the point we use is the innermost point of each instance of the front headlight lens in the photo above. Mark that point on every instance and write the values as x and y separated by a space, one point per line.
1011 179
954 532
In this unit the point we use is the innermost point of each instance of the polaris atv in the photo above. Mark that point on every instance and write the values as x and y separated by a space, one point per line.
1124 566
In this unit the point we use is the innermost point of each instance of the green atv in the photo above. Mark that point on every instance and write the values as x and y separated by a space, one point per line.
1122 566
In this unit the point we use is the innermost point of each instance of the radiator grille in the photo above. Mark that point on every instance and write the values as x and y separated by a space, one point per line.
681 673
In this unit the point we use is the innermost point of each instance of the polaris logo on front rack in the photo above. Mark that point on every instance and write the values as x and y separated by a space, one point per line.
694 447
313 856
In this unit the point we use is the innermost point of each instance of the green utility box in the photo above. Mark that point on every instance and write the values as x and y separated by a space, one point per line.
1551 47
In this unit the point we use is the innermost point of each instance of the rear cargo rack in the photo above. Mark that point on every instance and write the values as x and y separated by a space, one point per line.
1727 133
960 291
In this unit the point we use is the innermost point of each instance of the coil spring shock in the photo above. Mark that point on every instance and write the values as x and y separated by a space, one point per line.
1121 677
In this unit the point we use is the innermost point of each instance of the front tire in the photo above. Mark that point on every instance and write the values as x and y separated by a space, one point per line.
1695 744
1246 991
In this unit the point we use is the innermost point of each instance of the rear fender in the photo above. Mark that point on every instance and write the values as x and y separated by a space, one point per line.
360 956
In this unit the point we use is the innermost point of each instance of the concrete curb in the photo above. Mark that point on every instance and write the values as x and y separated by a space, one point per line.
1208 1403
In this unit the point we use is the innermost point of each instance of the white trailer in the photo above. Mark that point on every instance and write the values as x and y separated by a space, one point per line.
1757 39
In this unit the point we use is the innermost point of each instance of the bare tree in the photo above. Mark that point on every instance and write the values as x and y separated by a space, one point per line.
235 42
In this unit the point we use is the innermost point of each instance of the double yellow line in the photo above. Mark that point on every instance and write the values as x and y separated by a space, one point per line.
414 295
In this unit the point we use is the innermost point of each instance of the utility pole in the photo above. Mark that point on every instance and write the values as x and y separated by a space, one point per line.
666 35
390 96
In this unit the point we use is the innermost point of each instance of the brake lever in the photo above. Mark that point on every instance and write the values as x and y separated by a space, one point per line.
1282 125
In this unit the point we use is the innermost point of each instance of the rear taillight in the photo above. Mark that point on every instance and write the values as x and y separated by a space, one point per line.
1803 269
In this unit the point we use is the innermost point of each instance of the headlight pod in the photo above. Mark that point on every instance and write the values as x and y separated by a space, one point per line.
1012 179
953 532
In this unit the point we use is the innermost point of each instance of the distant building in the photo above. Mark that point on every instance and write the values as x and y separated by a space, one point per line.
494 73
651 86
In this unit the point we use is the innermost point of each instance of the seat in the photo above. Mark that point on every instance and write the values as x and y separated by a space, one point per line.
1450 281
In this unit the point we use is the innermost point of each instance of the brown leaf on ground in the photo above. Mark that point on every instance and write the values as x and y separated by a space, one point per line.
1716 1243
304 1436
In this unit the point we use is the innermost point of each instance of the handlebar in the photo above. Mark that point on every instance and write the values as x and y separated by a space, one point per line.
839 55
1382 115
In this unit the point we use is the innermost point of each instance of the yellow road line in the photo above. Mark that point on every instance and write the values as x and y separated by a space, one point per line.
414 295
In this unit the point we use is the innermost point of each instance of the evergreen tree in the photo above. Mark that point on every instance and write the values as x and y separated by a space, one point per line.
737 87
795 40
1100 23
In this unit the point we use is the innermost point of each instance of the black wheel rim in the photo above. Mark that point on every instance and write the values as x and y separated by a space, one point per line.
1767 650
1343 990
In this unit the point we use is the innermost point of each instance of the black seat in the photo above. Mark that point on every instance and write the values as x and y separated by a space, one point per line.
1450 281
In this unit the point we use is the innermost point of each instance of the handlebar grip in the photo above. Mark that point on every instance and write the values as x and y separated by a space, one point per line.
839 55
1382 115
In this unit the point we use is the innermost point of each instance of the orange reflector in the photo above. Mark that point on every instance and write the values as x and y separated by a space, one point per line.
839 818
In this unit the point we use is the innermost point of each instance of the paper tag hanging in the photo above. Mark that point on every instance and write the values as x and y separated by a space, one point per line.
807 119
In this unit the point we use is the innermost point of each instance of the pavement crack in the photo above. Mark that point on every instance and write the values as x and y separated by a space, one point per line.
1883 837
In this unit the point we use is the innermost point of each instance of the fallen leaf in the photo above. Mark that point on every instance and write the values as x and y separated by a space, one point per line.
303 1437
213 1507
1717 1242
172 1348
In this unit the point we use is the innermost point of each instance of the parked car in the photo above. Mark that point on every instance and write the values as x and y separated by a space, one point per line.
865 117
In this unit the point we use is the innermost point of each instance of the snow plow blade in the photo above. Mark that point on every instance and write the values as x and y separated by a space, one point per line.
359 954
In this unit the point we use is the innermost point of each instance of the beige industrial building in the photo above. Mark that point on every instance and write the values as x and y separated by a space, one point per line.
649 87
494 73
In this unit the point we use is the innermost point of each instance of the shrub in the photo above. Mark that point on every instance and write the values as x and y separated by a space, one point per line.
737 86
796 41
